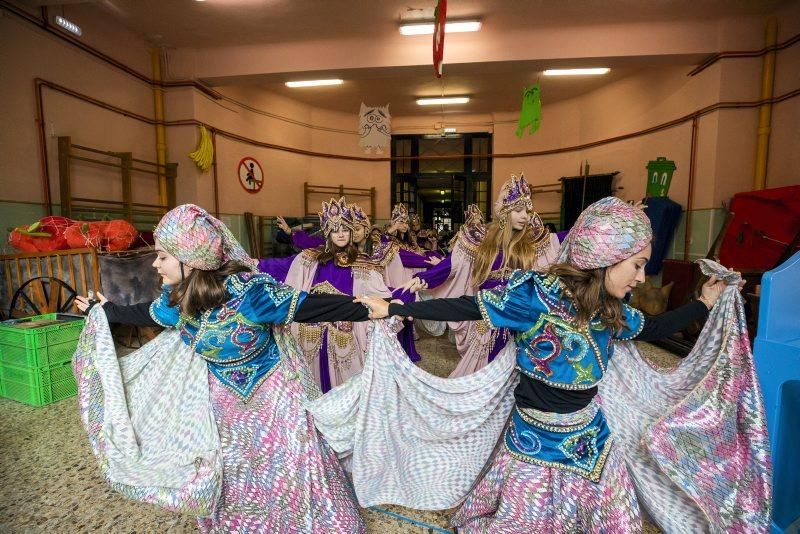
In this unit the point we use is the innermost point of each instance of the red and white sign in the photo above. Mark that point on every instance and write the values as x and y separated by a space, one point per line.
251 176
440 16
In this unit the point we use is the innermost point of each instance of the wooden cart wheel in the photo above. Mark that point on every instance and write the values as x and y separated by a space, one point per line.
43 294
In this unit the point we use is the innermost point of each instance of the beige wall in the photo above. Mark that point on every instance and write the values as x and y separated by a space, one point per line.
726 139
27 53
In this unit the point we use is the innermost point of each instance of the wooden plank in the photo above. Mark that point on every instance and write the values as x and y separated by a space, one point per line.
83 272
95 271
9 287
72 272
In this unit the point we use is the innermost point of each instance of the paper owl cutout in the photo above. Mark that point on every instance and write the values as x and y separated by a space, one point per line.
375 128
531 114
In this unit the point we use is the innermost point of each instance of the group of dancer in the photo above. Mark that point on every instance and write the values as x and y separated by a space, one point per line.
250 345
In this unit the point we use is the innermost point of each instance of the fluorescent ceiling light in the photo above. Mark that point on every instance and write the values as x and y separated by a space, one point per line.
575 72
449 130
314 83
442 101
70 26
426 28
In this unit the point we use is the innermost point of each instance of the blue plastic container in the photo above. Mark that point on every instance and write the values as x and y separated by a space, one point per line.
777 359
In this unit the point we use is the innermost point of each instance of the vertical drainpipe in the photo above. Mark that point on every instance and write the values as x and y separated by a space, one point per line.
161 134
765 110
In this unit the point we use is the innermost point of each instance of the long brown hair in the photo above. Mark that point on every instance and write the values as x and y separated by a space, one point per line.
200 290
588 290
517 246
330 251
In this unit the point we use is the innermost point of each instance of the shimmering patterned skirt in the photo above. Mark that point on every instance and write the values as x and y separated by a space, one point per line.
279 476
517 496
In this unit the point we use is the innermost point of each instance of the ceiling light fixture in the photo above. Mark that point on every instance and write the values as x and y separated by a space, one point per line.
68 25
576 72
442 100
449 130
314 83
426 28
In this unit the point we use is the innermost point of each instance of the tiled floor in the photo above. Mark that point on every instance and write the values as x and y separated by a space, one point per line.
49 481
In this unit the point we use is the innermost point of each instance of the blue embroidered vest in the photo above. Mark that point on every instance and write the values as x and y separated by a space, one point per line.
551 348
236 338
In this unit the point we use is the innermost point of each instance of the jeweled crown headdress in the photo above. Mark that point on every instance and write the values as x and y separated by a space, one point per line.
515 192
473 215
399 214
358 217
334 214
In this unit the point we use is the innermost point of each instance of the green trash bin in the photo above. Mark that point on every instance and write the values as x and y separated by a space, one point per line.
659 176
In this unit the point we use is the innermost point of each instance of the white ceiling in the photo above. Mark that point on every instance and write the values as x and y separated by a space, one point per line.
492 85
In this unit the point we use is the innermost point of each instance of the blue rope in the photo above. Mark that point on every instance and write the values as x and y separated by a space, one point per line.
401 517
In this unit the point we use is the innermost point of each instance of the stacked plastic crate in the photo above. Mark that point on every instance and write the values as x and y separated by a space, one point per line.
36 358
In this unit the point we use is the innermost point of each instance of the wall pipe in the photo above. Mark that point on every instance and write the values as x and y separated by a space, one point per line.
230 135
161 134
687 237
214 163
48 204
40 83
770 48
765 110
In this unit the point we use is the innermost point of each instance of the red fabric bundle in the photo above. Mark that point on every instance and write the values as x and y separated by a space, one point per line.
119 234
83 234
56 225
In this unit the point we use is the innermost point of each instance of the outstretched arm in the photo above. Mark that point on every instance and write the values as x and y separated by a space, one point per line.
330 308
452 309
135 314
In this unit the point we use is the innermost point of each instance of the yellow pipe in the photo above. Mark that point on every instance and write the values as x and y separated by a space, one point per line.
161 134
765 111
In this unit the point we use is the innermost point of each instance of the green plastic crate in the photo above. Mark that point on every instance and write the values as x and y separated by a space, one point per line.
38 387
44 346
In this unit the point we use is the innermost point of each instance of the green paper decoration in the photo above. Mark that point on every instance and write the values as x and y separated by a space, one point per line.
531 114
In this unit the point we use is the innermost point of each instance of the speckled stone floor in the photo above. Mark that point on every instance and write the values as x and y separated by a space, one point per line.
49 481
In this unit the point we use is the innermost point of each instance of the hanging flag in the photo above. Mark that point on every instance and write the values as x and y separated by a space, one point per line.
375 128
531 114
440 18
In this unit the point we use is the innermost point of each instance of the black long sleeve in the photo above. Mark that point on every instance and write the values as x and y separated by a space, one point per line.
135 314
328 308
313 309
463 308
666 324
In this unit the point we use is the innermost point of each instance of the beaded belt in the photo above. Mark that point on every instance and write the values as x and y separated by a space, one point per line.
578 442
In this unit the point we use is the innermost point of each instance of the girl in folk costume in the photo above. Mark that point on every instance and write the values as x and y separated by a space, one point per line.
361 233
208 418
334 350
692 441
484 258
382 257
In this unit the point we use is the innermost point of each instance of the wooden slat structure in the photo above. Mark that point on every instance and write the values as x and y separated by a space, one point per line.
78 268
139 214
322 193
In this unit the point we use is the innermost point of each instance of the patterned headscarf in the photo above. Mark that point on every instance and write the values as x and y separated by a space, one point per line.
607 232
335 213
199 240
515 192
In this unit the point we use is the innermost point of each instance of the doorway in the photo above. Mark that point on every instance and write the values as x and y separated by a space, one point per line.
439 189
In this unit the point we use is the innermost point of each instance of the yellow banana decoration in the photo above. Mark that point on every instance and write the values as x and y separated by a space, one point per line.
204 155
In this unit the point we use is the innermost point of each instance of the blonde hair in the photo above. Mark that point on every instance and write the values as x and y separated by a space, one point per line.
517 246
